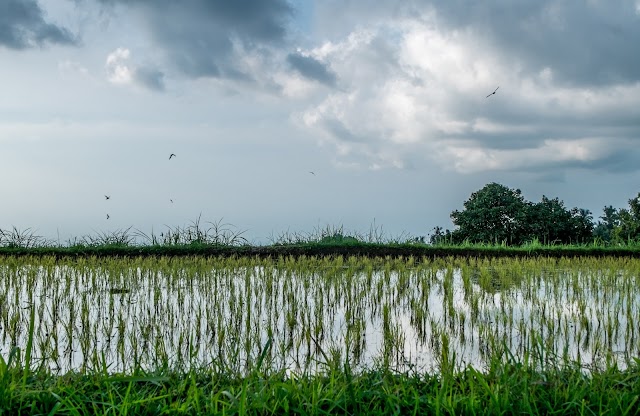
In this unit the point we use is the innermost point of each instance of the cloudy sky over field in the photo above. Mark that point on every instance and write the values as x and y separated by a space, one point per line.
385 102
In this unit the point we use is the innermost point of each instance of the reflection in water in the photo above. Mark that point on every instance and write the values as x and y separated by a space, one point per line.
124 314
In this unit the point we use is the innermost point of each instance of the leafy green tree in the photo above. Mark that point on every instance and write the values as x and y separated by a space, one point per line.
581 226
496 214
550 221
628 228
604 230
493 214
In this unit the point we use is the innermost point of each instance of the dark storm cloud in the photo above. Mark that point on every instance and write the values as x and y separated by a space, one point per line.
22 26
584 43
201 36
311 68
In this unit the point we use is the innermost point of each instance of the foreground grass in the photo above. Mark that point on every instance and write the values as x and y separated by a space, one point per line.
506 389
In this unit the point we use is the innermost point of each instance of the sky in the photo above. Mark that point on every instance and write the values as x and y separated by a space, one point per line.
292 115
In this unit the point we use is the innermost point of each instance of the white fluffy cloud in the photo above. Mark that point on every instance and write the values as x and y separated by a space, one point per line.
118 68
411 90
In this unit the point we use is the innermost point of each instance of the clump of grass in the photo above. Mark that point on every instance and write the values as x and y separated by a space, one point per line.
338 234
118 238
217 233
27 238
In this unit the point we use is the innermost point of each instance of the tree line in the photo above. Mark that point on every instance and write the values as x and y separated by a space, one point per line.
498 214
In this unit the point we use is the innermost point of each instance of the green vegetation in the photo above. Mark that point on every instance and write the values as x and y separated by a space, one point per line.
218 239
319 335
497 214
495 221
524 308
508 389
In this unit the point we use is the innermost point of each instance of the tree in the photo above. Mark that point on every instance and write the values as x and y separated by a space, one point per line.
497 214
550 221
493 214
604 230
440 236
628 228
581 226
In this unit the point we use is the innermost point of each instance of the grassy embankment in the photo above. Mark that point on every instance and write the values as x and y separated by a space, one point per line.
219 239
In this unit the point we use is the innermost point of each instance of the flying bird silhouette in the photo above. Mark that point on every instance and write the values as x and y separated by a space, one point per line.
107 216
313 173
107 197
492 93
171 200
172 155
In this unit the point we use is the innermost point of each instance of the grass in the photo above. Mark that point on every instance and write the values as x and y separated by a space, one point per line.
220 238
202 322
507 388
324 248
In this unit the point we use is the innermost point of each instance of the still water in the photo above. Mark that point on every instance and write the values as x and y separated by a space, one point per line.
304 315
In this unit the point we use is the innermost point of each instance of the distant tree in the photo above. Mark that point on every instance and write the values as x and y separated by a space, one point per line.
440 236
581 226
604 230
550 222
493 214
496 214
628 228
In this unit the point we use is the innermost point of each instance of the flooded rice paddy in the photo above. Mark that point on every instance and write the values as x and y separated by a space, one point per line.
118 315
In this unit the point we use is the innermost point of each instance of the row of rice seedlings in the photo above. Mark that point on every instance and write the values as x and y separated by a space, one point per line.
181 313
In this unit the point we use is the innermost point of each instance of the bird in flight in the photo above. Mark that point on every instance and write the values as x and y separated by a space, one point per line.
171 200
107 197
172 155
313 173
107 216
492 93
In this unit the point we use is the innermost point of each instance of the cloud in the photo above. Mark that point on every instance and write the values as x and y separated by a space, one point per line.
414 91
312 68
585 43
204 38
151 78
71 67
118 71
550 153
121 72
23 26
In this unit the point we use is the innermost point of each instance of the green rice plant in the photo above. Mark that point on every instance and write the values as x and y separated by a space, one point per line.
187 312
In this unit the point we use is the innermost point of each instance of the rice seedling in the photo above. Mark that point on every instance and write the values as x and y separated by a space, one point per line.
135 314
